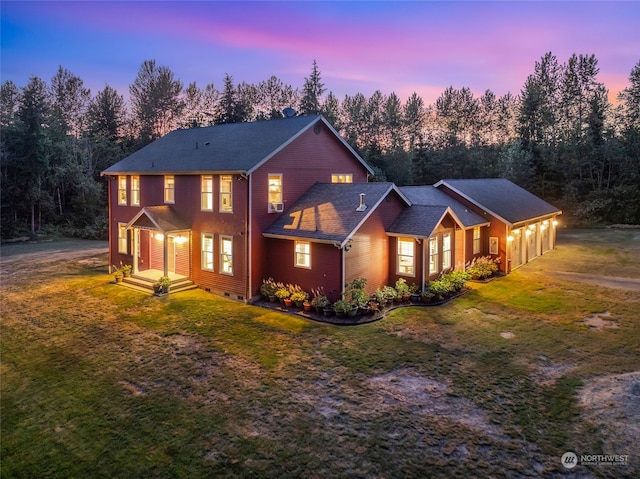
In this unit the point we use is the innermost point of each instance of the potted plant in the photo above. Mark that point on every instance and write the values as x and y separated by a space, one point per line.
157 288
165 283
282 293
341 307
268 289
306 305
118 275
427 296
415 294
402 290
126 270
320 302
299 297
388 294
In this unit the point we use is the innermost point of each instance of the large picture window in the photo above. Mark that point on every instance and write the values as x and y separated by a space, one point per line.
207 251
303 254
122 190
226 198
207 193
169 189
406 255
226 254
135 191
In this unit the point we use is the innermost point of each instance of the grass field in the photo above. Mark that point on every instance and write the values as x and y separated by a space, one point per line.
101 381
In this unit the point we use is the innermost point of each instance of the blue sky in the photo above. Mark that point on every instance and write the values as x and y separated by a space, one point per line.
402 47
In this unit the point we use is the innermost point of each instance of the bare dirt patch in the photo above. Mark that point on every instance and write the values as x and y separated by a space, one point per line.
612 403
598 321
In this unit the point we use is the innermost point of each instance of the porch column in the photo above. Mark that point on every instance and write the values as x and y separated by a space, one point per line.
165 254
136 250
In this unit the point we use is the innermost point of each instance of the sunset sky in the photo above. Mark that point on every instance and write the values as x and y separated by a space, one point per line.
400 47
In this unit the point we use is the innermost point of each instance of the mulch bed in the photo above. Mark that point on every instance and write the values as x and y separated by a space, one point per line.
347 320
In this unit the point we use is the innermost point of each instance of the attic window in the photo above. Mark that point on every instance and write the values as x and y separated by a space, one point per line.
341 178
317 128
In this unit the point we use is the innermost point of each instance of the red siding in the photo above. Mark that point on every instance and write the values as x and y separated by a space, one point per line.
325 269
310 159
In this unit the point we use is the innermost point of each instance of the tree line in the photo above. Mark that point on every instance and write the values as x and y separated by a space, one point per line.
560 137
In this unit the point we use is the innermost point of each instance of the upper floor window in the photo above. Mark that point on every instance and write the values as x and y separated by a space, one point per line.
135 191
226 198
342 178
433 255
122 190
275 193
303 254
207 251
226 254
406 248
169 189
207 193
446 251
476 240
122 238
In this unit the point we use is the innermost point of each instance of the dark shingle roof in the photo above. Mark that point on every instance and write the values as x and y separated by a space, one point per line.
502 198
328 211
418 220
163 218
234 147
431 196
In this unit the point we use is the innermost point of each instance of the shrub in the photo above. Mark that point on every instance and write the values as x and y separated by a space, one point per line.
459 278
268 287
481 268
402 288
355 293
341 306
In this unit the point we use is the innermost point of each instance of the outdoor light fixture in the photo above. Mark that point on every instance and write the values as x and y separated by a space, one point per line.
510 238
159 236
181 239
555 223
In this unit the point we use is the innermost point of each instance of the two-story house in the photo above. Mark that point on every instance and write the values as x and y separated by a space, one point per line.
230 205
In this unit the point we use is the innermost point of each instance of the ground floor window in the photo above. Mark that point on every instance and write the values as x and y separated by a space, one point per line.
226 254
446 251
207 251
433 255
303 254
476 240
123 244
406 256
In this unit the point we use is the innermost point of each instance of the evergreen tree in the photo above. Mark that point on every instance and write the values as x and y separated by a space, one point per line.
312 92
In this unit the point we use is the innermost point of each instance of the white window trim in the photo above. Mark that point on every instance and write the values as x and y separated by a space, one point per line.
208 194
399 254
271 208
124 250
222 254
122 198
296 253
135 192
447 259
203 251
230 193
477 242
173 190
436 256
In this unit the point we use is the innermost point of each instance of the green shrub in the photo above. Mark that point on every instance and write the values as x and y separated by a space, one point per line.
482 267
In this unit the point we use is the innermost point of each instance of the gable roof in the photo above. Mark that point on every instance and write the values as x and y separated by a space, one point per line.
501 198
431 196
328 212
227 148
420 220
162 218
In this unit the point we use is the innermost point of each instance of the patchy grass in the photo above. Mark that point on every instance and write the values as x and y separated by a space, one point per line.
101 381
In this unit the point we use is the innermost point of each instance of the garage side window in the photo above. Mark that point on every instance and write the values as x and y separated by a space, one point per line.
303 254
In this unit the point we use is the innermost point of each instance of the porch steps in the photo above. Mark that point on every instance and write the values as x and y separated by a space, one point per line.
146 285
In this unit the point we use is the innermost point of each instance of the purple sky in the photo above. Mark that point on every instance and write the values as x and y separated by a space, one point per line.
362 46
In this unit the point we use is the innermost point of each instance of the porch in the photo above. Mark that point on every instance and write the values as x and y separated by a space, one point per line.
143 281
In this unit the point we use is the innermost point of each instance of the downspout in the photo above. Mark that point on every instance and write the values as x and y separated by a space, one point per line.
424 264
247 229
110 178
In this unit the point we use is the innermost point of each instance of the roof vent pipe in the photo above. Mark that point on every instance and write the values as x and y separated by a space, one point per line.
362 206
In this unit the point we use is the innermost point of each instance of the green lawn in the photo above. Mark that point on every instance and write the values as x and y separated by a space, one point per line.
100 381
